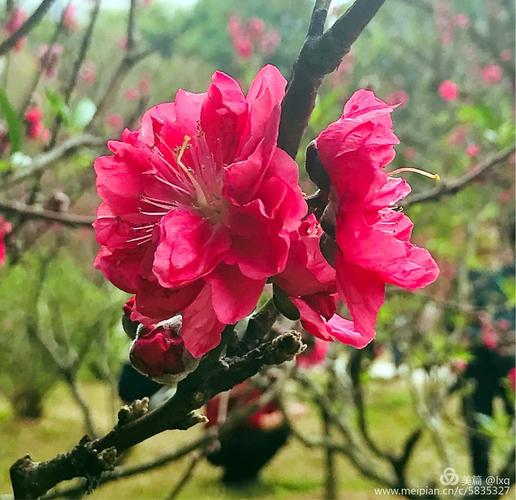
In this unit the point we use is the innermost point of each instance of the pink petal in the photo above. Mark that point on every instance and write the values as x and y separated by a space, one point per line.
363 293
189 247
223 117
234 295
201 330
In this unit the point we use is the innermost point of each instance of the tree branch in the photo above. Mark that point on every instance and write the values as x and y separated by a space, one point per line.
45 160
90 458
320 55
452 187
26 27
30 212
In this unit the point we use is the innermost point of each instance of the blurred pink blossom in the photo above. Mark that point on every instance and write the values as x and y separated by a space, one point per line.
505 55
491 74
269 42
115 121
397 98
132 94
461 20
13 24
88 72
70 18
473 150
448 90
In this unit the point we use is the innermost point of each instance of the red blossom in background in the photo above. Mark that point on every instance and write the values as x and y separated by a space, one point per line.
132 94
473 150
448 90
70 18
505 55
5 228
198 206
252 36
511 377
461 20
491 74
115 121
88 72
372 240
14 23
34 127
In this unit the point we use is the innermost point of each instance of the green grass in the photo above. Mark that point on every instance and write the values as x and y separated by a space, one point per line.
295 472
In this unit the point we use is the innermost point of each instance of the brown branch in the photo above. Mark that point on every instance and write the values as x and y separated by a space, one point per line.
26 27
320 55
30 212
215 374
48 159
236 417
454 186
131 26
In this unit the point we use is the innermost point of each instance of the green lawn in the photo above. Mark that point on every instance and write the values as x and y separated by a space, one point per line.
295 473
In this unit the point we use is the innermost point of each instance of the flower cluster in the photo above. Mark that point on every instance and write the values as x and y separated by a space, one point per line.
253 36
34 127
201 208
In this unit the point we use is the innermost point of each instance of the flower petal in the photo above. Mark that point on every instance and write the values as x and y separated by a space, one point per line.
234 295
201 331
189 247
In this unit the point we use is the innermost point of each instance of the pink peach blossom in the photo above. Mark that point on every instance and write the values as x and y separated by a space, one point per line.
372 240
198 206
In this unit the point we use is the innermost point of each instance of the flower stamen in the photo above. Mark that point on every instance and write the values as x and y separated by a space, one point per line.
430 175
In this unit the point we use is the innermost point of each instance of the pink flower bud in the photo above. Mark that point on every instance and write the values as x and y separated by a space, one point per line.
132 94
448 90
160 352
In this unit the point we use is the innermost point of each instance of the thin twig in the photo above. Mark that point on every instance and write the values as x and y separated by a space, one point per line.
320 55
452 187
50 158
30 212
26 27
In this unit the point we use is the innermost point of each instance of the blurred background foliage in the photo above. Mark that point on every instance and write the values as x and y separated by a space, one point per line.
409 49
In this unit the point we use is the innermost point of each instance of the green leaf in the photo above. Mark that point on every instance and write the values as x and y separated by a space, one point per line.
14 122
83 113
58 106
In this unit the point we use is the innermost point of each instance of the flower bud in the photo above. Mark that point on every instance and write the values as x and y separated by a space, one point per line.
160 352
